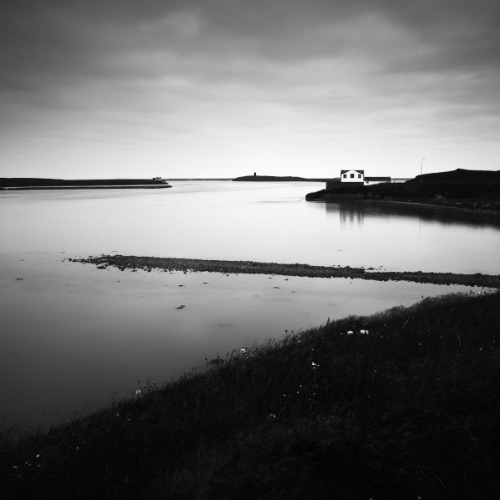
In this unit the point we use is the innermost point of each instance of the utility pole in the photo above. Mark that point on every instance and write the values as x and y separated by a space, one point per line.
422 161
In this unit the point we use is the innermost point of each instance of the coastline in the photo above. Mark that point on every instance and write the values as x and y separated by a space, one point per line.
34 183
59 188
360 199
123 262
277 178
468 191
477 211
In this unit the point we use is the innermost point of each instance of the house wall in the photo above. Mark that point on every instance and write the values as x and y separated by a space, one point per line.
352 176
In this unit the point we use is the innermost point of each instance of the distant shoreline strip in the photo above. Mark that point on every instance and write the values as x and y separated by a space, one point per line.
124 262
124 186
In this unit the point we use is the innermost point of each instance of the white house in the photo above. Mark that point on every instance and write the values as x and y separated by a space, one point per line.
352 176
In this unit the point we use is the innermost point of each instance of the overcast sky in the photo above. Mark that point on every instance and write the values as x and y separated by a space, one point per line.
221 88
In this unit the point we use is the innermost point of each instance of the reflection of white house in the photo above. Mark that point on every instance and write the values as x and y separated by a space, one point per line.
352 176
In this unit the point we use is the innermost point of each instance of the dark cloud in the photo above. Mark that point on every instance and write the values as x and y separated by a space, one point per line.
44 40
426 64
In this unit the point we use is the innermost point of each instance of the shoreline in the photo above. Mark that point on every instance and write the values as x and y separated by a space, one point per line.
353 199
59 188
277 178
35 183
133 263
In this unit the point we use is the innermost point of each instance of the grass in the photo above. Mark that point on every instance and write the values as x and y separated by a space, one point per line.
400 405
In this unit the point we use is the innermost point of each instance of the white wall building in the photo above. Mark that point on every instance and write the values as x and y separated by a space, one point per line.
352 176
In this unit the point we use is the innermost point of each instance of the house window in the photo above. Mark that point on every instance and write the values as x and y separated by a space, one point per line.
344 176
359 176
352 176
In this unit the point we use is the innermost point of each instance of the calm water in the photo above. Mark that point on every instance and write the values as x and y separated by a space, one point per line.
263 222
73 336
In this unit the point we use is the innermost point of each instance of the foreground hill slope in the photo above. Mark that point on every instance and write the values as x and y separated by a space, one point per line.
402 404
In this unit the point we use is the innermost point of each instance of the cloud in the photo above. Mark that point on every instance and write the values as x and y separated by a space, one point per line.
268 73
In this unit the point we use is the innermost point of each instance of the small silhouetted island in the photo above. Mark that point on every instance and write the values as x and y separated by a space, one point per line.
275 178
39 183
477 190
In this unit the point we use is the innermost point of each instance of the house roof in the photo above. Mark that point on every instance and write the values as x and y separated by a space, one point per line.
351 170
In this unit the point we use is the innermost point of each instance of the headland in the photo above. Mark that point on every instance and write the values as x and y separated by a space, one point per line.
468 190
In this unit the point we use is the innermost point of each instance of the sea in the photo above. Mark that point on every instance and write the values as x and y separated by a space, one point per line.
75 338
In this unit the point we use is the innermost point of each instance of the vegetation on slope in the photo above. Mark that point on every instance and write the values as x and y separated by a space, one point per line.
403 404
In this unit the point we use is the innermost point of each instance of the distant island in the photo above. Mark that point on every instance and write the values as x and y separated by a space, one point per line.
477 190
276 178
26 183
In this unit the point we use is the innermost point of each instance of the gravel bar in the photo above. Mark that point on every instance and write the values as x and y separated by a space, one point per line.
123 262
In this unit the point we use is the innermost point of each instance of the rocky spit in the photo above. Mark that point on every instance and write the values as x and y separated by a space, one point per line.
131 262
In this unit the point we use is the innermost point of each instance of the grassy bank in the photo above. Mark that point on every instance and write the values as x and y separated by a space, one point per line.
134 263
400 405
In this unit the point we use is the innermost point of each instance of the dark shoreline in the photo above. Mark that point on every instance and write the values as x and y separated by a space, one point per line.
358 199
465 190
65 188
35 183
123 262
277 178
477 211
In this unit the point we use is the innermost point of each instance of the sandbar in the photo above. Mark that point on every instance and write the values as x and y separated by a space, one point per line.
250 267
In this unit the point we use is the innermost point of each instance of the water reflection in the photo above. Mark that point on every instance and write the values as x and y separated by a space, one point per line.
351 214
356 211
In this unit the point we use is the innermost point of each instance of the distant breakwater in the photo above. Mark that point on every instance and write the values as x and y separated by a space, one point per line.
33 183
58 188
